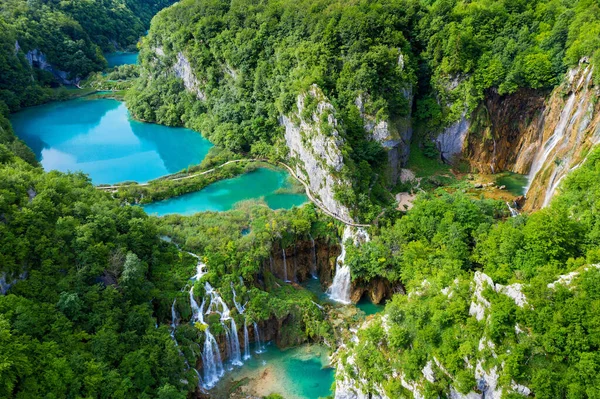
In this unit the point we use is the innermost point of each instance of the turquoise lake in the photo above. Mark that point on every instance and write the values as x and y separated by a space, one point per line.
225 194
119 58
99 138
298 373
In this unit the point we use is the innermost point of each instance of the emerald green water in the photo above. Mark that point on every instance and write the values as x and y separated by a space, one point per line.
99 138
120 58
225 194
369 307
297 373
514 182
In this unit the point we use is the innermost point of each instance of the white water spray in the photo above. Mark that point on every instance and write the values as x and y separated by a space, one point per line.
246 342
259 345
552 142
285 278
513 210
340 289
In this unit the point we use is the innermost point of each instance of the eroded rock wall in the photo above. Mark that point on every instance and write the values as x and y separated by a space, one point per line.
315 150
539 134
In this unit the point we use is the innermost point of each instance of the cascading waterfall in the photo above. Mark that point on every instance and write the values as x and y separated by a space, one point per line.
271 263
285 278
217 305
552 142
340 289
200 268
259 345
211 360
236 357
513 210
173 321
313 270
246 342
239 307
211 356
196 311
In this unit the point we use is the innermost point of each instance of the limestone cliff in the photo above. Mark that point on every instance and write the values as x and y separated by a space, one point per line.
450 141
543 135
183 70
37 59
354 383
570 128
394 134
315 149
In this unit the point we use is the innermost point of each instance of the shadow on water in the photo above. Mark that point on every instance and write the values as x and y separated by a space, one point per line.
174 145
99 138
49 125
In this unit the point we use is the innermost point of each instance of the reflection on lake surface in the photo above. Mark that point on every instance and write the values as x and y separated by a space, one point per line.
99 138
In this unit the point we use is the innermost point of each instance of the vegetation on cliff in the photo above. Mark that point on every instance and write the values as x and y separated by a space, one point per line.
246 64
40 38
530 322
90 285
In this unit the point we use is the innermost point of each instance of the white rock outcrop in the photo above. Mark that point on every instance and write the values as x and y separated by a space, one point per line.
316 156
183 70
37 59
395 139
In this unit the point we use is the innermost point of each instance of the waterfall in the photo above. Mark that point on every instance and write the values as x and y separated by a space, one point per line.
196 311
259 346
246 342
216 305
211 360
174 321
340 289
285 278
200 268
552 142
239 307
236 357
173 314
271 263
513 210
313 271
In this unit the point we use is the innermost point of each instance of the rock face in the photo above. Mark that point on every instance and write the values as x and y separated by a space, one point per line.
352 382
543 138
315 150
302 260
451 141
7 281
394 135
183 70
505 131
377 290
37 59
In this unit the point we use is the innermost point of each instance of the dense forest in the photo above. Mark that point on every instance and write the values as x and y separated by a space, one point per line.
541 335
97 296
251 60
65 39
